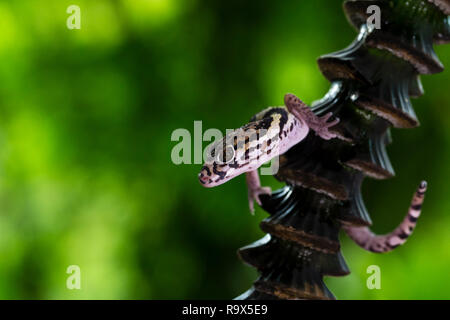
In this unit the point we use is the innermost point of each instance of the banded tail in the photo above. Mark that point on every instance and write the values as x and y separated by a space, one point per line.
385 243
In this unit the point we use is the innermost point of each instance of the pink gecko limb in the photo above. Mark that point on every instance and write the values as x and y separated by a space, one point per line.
255 189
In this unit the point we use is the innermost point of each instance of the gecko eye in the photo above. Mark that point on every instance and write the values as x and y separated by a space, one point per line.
226 155
210 154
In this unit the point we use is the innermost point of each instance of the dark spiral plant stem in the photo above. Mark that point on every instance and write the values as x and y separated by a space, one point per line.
371 84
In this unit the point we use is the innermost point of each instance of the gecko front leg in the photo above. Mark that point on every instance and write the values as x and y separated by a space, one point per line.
304 113
255 189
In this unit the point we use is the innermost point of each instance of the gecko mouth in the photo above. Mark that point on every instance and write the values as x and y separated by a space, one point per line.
203 178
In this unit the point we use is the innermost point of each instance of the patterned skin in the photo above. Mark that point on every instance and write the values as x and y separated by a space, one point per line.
385 243
271 133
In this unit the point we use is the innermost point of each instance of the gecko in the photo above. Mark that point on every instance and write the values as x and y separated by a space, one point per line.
271 133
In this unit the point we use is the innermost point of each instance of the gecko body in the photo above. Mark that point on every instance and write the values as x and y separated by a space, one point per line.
271 133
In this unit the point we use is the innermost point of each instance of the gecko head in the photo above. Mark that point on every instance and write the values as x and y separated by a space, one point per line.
228 158
218 165
217 171
205 176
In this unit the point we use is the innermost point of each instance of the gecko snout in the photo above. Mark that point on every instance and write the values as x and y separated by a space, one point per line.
203 176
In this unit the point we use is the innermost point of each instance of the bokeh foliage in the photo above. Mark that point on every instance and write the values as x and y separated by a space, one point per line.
86 176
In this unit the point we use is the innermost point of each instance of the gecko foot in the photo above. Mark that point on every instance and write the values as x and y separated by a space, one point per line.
318 124
253 195
321 126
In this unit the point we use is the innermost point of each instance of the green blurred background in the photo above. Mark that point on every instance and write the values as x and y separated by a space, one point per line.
86 176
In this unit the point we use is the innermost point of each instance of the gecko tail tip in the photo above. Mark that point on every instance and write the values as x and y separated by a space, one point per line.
423 185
